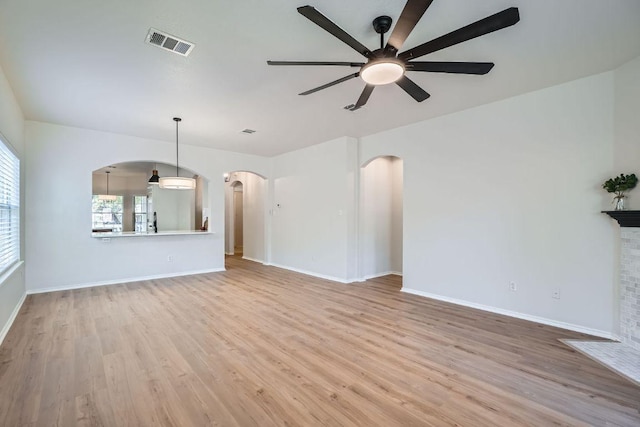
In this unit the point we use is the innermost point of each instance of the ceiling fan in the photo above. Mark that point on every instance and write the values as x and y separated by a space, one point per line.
386 65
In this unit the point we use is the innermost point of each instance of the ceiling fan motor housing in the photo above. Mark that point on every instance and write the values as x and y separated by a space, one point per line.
382 24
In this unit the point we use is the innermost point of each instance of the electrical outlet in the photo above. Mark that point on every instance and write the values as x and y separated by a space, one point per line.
556 294
170 258
512 286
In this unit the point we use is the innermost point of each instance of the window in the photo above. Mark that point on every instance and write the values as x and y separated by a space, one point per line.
9 207
140 214
106 215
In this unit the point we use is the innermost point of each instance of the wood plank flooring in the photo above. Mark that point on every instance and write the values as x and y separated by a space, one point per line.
261 346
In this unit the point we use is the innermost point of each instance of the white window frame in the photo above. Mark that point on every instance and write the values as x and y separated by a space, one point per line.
9 206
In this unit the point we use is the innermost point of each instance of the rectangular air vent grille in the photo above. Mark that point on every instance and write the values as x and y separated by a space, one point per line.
169 42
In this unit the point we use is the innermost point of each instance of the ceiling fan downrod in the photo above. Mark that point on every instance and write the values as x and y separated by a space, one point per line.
381 25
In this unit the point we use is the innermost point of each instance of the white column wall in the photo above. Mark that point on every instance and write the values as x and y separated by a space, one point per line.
313 225
254 196
376 217
396 214
381 217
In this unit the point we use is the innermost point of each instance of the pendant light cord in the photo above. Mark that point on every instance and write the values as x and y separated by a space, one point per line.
177 120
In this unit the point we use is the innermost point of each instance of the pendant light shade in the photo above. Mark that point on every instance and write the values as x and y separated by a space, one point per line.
177 182
155 178
107 197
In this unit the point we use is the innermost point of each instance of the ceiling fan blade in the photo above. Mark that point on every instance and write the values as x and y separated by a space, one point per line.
345 64
411 14
451 67
333 83
364 97
325 23
492 23
412 89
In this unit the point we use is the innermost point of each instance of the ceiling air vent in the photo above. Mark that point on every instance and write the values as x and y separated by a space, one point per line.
249 131
169 42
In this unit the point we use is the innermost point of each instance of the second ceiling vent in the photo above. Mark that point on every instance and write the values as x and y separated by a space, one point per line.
169 42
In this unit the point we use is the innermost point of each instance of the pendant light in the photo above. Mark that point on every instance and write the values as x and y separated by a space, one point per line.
155 178
107 196
177 182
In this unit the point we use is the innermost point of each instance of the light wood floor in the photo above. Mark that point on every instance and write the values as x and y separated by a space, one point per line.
260 346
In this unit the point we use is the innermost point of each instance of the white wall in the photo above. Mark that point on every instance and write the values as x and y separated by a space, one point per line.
381 217
254 190
396 214
510 191
60 249
175 208
313 221
627 124
12 286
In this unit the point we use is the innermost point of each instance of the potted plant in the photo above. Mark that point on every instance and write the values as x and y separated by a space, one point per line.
619 185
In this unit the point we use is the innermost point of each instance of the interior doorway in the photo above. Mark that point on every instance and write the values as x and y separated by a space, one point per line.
245 203
381 219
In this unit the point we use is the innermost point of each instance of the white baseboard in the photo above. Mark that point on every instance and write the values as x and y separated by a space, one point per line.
120 281
537 319
229 253
310 273
253 259
14 314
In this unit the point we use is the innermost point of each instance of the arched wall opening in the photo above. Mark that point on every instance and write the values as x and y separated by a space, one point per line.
381 217
125 199
245 218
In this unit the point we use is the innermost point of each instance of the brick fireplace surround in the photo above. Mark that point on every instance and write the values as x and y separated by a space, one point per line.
630 287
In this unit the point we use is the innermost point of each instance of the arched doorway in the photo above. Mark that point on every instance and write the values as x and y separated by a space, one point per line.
245 203
381 217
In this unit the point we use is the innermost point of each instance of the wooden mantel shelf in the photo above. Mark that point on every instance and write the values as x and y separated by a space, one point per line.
625 218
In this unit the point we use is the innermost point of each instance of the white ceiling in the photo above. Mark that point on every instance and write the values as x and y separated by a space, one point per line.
85 64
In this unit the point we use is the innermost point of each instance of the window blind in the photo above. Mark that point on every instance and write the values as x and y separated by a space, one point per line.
9 207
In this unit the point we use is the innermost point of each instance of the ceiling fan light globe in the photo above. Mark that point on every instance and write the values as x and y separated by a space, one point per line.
382 72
